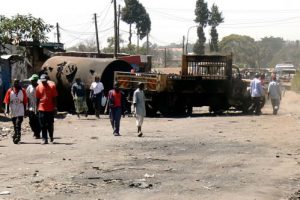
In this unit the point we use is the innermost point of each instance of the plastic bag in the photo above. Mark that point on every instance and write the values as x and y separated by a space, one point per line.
103 100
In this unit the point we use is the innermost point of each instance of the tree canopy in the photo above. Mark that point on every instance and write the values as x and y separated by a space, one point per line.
215 18
20 28
244 49
143 25
202 13
135 13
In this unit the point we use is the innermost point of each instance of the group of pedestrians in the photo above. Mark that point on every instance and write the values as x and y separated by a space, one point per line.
257 92
38 101
115 103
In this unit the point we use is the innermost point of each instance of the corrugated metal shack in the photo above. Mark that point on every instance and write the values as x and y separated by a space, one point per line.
11 67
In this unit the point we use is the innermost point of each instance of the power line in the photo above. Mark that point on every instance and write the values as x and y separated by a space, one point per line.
84 33
105 15
262 23
172 17
157 40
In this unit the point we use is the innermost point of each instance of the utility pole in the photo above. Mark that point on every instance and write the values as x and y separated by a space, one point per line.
137 43
96 28
165 57
147 42
187 38
183 45
115 28
58 33
119 15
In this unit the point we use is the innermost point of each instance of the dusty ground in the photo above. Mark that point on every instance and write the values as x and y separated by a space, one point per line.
201 157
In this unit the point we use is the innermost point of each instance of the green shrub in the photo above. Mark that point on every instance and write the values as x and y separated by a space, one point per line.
296 82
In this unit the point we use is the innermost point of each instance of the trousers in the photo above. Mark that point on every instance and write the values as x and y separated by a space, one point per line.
17 123
47 124
115 118
34 124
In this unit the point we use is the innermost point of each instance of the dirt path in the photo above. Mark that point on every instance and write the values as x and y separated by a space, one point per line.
200 157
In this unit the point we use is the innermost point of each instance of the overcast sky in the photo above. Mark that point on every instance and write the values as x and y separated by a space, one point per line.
171 19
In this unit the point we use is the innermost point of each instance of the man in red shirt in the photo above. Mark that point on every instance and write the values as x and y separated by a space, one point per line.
46 102
115 98
15 103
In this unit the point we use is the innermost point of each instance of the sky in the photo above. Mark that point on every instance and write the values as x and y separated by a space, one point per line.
171 19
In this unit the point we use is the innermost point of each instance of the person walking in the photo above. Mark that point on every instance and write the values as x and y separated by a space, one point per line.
274 91
139 107
1 92
96 95
79 97
15 103
256 91
32 107
115 104
46 102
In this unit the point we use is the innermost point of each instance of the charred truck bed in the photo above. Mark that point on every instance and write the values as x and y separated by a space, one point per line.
204 80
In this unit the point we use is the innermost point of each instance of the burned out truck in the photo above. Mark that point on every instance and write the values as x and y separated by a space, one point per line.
204 80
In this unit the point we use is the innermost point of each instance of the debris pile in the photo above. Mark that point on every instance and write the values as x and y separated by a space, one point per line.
7 129
295 196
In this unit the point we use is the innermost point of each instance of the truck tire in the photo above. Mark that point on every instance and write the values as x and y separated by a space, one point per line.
151 110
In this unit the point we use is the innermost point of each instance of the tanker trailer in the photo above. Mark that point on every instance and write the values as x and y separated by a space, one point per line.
64 69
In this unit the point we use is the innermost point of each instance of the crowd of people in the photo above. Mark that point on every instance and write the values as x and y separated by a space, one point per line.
39 102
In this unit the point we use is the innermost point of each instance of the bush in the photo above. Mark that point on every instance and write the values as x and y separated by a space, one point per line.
296 82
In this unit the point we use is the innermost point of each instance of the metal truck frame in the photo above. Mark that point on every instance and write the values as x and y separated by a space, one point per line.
204 80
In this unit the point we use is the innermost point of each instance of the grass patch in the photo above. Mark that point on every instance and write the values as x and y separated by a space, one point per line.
296 82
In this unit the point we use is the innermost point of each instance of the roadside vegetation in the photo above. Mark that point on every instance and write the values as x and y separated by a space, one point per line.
296 82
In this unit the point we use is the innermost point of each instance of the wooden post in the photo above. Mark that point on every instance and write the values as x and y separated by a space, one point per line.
96 30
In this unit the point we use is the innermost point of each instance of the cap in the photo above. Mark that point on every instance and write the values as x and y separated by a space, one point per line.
44 77
34 77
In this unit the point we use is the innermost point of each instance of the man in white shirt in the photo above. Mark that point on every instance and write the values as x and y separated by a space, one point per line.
15 103
96 95
32 108
256 91
139 107
1 91
274 91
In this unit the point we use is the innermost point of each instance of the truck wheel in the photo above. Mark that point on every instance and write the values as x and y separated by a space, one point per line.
151 110
216 110
247 108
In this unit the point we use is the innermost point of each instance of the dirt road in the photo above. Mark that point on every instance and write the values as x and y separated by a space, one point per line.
200 157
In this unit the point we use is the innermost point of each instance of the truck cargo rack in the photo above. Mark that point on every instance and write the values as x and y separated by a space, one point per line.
128 80
206 67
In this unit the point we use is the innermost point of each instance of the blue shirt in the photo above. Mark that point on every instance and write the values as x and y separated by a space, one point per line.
256 88
78 90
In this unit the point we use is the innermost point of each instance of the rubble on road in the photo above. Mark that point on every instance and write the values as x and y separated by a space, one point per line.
7 129
295 196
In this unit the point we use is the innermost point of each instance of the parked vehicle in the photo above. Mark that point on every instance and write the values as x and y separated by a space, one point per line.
204 80
285 72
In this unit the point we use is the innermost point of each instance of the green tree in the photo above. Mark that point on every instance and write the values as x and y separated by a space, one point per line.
130 49
129 14
268 47
202 14
85 46
135 13
215 18
143 24
20 28
244 49
289 52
